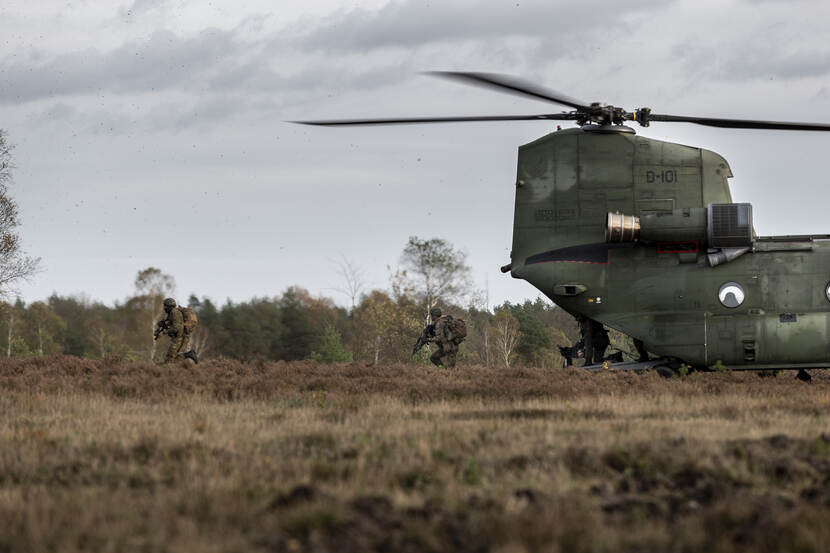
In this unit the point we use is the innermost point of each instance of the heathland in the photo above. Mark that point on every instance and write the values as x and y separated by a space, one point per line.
107 455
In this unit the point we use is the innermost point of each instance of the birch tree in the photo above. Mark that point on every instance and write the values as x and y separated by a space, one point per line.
436 270
14 264
151 287
506 335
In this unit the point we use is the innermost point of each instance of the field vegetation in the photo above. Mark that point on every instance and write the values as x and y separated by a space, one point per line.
108 455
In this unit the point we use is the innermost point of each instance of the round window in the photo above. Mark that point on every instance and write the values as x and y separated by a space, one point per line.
827 291
732 294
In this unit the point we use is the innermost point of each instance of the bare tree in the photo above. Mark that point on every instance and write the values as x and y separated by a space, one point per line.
12 315
353 283
151 286
375 320
505 329
5 159
14 265
437 270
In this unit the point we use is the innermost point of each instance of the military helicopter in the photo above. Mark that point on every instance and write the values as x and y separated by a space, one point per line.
642 235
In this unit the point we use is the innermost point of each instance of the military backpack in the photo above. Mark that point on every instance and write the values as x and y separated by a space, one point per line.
458 328
190 319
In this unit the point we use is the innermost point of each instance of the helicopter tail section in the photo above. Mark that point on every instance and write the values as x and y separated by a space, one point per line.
568 181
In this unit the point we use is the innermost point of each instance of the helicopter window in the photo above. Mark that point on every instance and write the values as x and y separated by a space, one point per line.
827 291
731 294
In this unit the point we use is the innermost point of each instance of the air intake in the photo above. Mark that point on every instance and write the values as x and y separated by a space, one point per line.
730 225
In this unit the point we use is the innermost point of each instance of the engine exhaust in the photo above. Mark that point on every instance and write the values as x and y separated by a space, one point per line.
622 228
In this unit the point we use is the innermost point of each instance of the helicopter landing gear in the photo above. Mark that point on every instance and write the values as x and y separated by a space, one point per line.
665 372
803 376
671 367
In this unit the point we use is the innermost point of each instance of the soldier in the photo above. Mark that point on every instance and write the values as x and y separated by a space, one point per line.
601 342
445 340
595 338
174 326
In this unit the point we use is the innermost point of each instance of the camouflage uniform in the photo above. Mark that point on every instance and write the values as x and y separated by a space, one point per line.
595 338
601 342
443 338
174 328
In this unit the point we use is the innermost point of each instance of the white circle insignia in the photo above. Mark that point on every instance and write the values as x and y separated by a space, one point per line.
731 294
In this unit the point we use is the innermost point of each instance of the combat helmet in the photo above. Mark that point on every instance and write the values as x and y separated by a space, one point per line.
435 312
169 303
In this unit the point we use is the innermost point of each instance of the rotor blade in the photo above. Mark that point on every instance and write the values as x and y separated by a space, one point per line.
506 83
415 120
740 123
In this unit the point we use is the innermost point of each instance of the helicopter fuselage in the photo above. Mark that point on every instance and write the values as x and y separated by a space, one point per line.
685 293
672 302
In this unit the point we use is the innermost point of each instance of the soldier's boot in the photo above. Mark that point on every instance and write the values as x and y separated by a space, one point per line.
641 351
192 356
803 376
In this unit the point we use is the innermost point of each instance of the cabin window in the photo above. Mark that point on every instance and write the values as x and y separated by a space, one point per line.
827 291
731 294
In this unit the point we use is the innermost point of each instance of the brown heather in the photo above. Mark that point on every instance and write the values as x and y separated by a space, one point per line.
113 456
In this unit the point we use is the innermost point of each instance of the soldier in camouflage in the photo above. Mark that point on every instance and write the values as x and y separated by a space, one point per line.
595 338
173 325
444 339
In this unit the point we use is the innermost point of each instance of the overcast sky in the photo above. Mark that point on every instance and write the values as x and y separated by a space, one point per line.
153 132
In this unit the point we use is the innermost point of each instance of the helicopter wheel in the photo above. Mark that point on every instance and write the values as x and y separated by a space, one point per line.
673 367
665 372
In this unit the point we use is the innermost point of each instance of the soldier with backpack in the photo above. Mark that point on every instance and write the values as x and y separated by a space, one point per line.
179 324
449 333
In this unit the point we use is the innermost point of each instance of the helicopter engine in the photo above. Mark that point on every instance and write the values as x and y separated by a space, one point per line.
725 229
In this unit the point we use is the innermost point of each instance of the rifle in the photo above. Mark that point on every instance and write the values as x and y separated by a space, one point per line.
429 330
161 326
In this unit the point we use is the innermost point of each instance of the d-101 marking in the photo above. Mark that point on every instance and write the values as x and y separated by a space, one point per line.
667 176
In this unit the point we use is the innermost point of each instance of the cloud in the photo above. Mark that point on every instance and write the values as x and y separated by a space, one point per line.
140 8
57 112
771 62
172 80
759 40
411 23
163 61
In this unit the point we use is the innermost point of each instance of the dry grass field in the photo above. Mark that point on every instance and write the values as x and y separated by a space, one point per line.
112 456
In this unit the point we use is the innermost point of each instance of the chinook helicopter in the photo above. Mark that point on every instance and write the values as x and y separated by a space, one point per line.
642 235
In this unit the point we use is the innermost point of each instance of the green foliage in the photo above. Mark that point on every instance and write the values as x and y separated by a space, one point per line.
331 350
20 348
541 331
76 314
251 330
719 366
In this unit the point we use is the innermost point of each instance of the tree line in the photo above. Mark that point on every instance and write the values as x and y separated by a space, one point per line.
379 325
